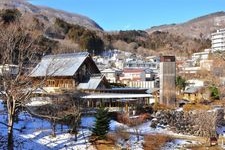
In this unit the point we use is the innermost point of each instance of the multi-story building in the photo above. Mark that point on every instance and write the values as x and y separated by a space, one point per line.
112 74
138 77
142 64
9 69
218 40
137 74
199 61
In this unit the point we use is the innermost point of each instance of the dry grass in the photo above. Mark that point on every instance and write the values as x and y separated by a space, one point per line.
158 106
204 148
155 142
189 107
105 145
108 144
218 102
125 119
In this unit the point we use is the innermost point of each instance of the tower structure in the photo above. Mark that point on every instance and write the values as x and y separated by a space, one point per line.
167 80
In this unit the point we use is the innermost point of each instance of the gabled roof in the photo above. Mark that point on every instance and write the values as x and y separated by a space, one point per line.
59 65
193 89
93 83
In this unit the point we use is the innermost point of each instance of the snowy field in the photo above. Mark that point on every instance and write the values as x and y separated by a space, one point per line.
35 133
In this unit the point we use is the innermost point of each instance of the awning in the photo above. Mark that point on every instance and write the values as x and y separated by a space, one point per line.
115 95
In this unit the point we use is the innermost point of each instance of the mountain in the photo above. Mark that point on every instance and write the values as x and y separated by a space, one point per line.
67 32
48 15
200 27
177 39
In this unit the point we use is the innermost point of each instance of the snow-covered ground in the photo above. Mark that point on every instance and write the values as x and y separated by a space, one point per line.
36 134
177 144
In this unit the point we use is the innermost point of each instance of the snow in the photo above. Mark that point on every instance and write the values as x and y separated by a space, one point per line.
88 121
39 101
132 143
1 106
221 130
35 133
178 144
180 109
115 125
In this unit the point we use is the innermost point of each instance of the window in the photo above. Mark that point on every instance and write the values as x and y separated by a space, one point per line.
51 83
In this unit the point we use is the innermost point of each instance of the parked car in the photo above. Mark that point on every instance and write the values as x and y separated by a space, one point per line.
213 141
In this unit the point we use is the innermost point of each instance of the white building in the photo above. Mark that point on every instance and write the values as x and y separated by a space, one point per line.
194 83
201 55
199 61
9 69
137 63
218 40
112 74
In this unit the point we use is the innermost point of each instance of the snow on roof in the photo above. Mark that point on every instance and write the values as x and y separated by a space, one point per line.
152 90
115 95
59 65
91 84
193 89
111 70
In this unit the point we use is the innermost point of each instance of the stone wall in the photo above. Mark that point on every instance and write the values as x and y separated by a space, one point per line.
198 123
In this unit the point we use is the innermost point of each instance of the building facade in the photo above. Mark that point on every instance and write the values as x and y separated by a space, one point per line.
218 40
167 80
68 71
112 74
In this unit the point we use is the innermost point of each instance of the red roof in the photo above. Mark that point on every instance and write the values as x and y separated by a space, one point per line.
132 70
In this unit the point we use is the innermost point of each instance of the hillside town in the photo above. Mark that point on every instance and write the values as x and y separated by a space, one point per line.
67 86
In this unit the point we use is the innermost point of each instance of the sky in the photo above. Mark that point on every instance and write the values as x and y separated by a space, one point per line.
114 15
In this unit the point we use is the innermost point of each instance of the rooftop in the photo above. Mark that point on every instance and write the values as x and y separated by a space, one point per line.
59 65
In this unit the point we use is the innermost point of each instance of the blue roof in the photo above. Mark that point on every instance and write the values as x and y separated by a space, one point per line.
59 65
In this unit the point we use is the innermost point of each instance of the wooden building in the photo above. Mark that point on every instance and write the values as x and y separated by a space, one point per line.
194 94
68 71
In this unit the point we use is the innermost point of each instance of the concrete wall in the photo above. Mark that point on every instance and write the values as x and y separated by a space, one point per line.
167 76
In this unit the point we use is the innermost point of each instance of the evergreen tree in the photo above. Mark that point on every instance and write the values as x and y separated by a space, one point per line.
180 83
102 121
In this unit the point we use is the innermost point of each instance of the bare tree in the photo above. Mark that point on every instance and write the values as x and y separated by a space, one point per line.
207 122
64 108
18 53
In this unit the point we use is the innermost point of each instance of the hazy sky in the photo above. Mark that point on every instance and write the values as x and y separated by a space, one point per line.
136 14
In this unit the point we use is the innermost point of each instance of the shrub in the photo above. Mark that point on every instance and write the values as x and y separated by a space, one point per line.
62 24
189 107
76 32
155 142
124 118
214 92
10 15
157 107
122 133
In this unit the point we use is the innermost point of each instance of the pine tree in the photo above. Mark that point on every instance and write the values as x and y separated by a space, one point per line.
102 122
